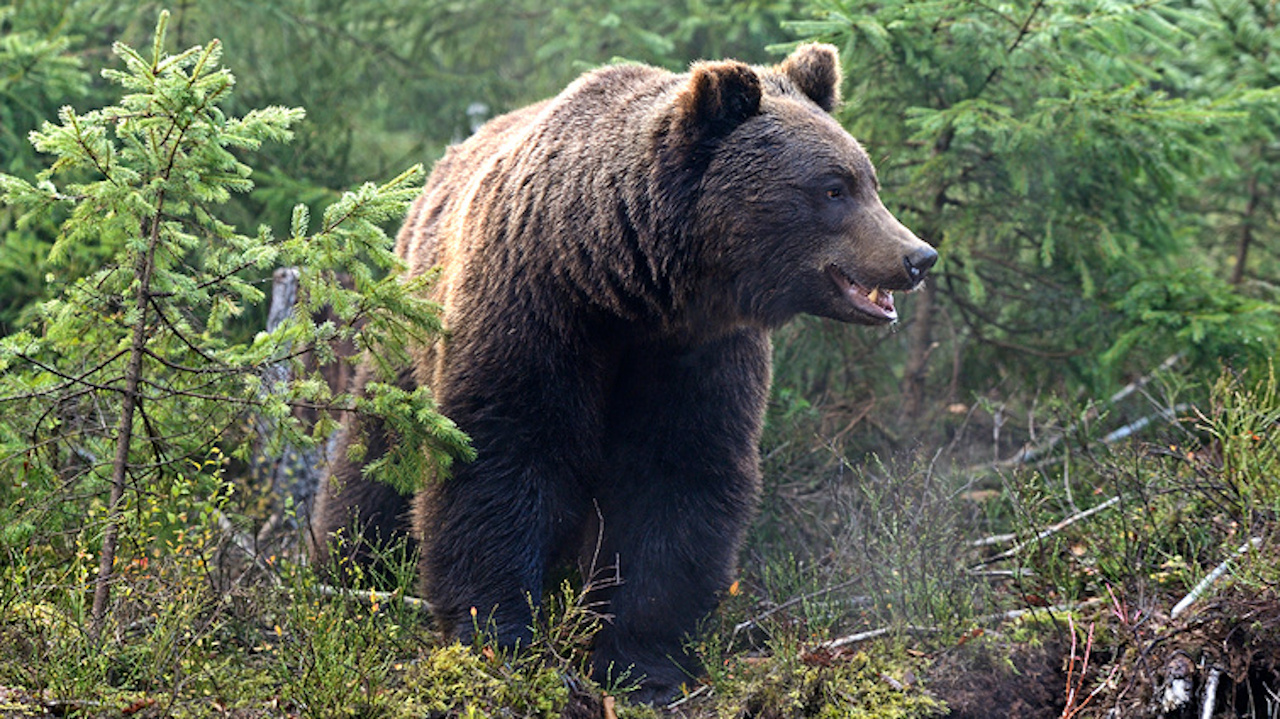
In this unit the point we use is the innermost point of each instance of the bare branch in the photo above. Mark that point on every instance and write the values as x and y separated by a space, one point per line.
1042 534
1212 577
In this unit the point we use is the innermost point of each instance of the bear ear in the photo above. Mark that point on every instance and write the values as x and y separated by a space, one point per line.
720 96
815 70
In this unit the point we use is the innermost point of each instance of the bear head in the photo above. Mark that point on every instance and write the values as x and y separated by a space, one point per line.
788 211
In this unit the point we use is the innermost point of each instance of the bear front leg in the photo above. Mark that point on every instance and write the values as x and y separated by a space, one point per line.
680 489
492 530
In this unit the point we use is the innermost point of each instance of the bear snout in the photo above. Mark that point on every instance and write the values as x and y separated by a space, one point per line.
919 262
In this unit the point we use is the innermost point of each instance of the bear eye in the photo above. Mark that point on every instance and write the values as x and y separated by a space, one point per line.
835 193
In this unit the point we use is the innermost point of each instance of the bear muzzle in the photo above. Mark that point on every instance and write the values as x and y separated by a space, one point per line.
874 301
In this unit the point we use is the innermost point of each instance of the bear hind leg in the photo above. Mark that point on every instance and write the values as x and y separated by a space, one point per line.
359 523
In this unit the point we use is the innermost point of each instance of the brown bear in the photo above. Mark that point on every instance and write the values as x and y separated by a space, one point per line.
613 261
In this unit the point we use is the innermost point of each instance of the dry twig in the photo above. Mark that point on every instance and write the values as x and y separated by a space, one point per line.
371 597
791 602
1212 577
1210 693
1047 532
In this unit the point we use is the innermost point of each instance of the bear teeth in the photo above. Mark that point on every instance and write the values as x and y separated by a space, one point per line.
875 301
882 298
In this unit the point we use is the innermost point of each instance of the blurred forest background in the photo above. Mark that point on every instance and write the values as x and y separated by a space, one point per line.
1101 178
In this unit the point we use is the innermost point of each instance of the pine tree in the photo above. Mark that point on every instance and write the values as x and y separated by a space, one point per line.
131 376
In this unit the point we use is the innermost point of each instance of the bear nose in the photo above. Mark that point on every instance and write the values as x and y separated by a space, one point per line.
919 262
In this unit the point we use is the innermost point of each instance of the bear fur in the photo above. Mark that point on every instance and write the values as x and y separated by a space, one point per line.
612 263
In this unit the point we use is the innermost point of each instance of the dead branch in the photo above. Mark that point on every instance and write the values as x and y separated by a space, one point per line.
1211 578
985 619
874 634
1013 614
371 598
1029 454
1042 534
789 603
704 689
1167 414
1210 693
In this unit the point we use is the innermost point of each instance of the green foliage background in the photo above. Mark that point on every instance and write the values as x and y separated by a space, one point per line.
1088 169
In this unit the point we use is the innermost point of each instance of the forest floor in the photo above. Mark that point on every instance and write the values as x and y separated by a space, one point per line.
1109 579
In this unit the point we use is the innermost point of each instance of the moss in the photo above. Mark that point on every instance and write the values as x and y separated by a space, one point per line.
457 681
878 684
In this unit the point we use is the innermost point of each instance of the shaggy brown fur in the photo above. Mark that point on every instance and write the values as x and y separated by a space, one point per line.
613 260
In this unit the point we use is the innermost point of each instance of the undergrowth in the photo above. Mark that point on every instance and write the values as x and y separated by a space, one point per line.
930 589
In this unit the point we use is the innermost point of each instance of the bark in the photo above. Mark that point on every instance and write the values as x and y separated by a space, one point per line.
294 473
1246 233
124 432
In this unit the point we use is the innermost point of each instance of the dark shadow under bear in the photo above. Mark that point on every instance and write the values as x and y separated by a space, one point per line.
613 261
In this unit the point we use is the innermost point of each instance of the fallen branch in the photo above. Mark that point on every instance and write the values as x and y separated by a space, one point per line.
1168 414
1018 613
1047 532
1020 572
873 634
371 597
1212 577
1029 454
994 539
789 603
1210 693
704 689
985 619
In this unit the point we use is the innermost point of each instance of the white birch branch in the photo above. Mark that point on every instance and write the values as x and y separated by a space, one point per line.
1210 693
984 619
1212 577
1046 532
1030 454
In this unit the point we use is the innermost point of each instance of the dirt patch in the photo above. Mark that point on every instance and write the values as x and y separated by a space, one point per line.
1167 668
985 680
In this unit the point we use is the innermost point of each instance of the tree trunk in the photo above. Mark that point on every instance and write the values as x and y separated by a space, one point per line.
293 473
124 431
920 339
1246 233
920 346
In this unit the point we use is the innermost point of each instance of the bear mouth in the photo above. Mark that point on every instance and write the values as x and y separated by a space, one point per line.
875 303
